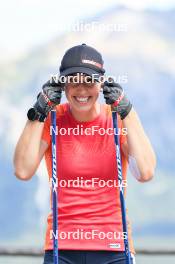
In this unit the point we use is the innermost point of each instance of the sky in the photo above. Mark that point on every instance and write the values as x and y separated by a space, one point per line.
27 23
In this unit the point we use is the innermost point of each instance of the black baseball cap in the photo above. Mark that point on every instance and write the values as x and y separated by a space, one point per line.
82 59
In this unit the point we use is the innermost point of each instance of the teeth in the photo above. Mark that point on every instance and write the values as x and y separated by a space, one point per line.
82 99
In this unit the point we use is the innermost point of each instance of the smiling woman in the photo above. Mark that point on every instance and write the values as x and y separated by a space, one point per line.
98 208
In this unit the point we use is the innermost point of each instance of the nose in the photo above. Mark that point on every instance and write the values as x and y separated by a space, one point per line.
80 89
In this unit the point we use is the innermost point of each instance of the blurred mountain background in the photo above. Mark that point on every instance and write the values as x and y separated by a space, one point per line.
143 58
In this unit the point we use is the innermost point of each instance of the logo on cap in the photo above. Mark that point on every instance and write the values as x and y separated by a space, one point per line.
93 63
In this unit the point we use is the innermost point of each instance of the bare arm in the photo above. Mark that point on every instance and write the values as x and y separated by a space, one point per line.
29 150
138 147
30 147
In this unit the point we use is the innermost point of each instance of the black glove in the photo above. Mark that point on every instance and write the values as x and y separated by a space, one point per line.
47 99
114 95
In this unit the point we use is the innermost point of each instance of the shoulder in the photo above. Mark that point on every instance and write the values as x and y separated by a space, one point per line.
107 111
61 109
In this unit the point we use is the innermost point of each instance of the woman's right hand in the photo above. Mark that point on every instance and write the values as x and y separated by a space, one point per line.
47 99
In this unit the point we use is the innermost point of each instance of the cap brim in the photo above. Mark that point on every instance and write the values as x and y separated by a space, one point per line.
84 70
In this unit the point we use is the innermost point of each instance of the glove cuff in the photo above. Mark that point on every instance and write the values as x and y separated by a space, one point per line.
126 111
33 115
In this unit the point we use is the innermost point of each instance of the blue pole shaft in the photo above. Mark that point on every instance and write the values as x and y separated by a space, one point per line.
54 189
120 178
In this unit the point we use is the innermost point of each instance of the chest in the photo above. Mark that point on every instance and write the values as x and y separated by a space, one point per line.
86 156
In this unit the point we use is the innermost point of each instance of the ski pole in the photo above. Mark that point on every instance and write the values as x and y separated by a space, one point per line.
120 177
54 189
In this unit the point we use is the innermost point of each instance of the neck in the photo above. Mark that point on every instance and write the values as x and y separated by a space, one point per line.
86 116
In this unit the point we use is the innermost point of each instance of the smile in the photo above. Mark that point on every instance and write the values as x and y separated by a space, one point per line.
82 99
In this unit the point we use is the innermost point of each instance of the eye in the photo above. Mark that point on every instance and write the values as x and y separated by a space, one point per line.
88 79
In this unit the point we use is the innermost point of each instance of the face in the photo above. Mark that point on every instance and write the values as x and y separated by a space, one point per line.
82 92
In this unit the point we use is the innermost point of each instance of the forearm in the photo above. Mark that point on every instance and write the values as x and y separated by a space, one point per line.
139 146
26 157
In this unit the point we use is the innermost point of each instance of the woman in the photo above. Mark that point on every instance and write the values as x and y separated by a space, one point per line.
90 221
